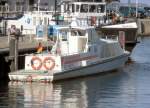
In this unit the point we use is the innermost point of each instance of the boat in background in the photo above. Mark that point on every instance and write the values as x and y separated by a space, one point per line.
77 51
91 13
129 28
30 20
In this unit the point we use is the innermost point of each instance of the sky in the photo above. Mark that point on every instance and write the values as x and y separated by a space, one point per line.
134 1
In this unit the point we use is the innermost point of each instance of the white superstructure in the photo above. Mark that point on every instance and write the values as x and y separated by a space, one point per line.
85 12
30 20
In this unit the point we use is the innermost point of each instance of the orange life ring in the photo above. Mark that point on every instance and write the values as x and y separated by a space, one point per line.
32 63
52 61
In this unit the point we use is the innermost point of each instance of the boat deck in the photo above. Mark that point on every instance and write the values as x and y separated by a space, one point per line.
31 76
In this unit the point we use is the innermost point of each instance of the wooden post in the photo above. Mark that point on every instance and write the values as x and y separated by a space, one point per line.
16 53
13 52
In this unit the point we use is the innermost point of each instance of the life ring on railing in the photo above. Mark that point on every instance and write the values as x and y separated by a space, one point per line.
38 67
49 60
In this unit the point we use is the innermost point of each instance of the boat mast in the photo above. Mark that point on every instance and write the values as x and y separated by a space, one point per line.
129 4
56 16
136 8
39 5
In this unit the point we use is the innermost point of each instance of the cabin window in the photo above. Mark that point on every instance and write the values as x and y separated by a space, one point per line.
92 8
77 8
84 8
78 33
100 8
74 33
73 8
34 20
66 8
89 49
40 20
45 21
95 49
81 32
63 35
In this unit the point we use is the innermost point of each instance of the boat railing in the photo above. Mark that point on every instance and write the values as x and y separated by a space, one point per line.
41 12
8 9
35 8
7 12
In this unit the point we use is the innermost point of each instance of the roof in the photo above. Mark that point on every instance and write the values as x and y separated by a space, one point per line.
126 25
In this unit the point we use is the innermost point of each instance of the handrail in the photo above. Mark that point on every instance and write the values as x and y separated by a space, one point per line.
7 9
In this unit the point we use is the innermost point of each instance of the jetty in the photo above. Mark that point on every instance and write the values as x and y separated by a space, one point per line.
26 45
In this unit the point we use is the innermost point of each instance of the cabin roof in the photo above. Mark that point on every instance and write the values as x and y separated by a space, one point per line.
90 3
74 27
126 25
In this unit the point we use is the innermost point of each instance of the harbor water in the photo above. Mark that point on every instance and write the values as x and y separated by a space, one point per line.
126 88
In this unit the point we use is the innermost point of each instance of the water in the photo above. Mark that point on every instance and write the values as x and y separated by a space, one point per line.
127 88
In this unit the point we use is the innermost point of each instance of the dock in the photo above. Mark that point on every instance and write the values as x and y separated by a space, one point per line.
26 44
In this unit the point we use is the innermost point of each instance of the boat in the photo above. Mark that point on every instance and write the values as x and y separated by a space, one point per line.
30 20
130 29
77 52
87 12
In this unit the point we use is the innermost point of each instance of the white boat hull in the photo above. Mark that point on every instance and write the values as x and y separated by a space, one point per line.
99 67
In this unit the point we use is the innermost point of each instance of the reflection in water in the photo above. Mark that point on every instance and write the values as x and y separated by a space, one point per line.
112 90
127 88
26 95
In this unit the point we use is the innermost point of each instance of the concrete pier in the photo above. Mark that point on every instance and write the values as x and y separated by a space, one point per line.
26 44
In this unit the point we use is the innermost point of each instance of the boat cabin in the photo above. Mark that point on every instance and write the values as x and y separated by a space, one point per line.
83 9
73 40
74 47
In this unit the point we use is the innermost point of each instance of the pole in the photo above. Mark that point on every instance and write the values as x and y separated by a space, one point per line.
56 17
13 48
13 52
39 5
136 8
16 53
129 2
